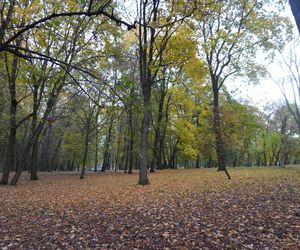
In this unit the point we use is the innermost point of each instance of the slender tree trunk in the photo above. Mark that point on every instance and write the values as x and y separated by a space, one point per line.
264 153
162 153
155 153
72 163
10 153
55 153
126 151
33 167
85 153
34 152
218 134
131 141
173 155
209 165
106 155
117 163
24 153
158 138
10 156
45 154
277 157
198 155
198 161
143 174
124 154
96 153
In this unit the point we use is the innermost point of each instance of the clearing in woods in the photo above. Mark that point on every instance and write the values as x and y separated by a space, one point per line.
181 209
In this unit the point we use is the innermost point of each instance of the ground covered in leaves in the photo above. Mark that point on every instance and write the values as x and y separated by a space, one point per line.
181 209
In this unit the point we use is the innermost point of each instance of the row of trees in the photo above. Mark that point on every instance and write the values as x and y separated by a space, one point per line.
76 87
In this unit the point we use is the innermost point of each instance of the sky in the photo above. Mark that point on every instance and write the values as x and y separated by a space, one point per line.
267 91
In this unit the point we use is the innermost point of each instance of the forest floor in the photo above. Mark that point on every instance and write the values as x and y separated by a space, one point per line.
181 209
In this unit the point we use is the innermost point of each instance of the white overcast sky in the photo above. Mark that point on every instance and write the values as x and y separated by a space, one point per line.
267 91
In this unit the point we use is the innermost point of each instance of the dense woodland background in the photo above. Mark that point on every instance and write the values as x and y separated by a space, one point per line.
124 85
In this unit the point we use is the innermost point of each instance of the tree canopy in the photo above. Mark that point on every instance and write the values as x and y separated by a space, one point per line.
86 86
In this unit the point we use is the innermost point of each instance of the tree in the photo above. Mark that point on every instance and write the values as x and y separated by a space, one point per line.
290 64
229 38
89 125
158 21
51 11
180 54
57 84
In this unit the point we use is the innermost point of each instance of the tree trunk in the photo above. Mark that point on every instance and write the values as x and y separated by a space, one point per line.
55 153
10 153
72 163
131 141
34 152
45 153
157 138
106 154
198 161
10 157
221 157
33 167
264 152
173 156
161 153
117 167
96 153
85 153
24 153
126 152
143 174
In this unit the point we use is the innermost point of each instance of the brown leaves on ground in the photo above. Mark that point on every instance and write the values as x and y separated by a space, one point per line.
180 209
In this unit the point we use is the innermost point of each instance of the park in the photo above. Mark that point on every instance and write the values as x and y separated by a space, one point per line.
149 124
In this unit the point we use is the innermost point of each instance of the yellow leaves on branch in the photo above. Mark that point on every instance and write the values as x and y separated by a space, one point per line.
72 5
181 47
26 12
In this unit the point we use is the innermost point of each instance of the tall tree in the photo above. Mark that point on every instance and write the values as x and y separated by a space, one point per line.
157 22
290 82
229 38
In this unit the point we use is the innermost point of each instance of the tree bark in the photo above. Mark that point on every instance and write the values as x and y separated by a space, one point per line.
85 153
24 153
131 141
157 139
198 161
161 152
34 152
126 156
10 153
10 156
221 157
96 152
106 154
45 154
143 175
55 153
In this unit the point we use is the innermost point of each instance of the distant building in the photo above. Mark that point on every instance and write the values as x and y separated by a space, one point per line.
295 6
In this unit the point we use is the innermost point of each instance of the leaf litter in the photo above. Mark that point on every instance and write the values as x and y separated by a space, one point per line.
181 209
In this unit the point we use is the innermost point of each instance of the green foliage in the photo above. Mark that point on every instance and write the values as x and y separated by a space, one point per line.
99 66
